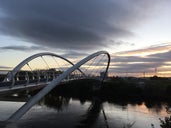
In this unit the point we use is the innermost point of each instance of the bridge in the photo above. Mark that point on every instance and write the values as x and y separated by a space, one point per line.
48 70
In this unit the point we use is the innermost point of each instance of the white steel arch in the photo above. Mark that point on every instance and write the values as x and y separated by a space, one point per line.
19 113
24 62
11 74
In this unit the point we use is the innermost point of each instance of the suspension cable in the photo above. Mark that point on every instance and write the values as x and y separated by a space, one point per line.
97 64
101 68
57 63
90 64
45 62
29 67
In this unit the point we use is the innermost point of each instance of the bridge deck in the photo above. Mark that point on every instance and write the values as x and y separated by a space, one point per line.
5 87
7 90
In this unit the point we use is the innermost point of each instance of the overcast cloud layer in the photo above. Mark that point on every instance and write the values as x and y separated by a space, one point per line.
73 24
22 48
137 64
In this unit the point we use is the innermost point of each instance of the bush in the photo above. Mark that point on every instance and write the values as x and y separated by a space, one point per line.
166 123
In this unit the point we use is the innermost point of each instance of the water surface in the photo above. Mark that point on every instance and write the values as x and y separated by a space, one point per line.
66 112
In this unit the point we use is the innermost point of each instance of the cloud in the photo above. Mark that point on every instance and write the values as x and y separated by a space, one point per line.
134 68
166 56
5 67
74 24
154 49
22 48
74 54
157 57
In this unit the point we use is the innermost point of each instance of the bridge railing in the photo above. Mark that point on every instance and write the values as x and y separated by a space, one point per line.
32 71
38 68
24 77
28 77
3 74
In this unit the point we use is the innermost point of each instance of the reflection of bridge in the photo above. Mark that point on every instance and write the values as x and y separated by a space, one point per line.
57 69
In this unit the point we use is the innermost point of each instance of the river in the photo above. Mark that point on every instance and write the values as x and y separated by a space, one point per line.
67 112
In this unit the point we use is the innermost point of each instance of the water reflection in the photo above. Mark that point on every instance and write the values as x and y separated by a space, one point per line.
92 112
58 102
53 101
87 120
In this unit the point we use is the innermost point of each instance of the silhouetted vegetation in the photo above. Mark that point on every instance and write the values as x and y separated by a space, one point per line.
138 88
118 90
166 123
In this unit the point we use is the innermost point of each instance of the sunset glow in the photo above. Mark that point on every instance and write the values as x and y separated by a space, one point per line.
136 33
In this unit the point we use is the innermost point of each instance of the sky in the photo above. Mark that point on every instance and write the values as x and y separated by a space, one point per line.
135 32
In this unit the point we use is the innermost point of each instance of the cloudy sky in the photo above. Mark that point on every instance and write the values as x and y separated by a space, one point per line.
135 32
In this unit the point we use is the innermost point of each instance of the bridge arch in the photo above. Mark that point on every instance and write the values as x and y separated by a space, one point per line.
27 60
11 74
19 113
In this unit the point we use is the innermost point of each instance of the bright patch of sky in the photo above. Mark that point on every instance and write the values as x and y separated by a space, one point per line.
125 29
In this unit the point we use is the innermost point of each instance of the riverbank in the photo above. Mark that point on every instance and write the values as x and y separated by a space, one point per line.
144 100
127 91
148 90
